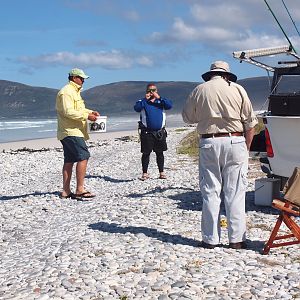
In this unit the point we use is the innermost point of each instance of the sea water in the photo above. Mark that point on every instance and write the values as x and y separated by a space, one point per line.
29 129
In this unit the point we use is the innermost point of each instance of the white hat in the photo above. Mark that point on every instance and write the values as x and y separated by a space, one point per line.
217 68
79 73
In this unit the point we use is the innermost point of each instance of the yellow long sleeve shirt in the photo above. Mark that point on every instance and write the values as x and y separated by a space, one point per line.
71 112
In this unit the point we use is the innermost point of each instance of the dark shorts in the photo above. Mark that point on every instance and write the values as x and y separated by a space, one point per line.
75 149
153 142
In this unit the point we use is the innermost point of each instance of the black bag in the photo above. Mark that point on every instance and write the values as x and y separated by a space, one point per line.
160 134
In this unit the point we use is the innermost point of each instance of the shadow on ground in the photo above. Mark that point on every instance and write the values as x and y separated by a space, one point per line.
188 200
150 232
175 239
191 199
110 179
5 198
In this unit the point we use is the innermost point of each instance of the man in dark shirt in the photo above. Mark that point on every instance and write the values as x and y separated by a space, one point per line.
152 128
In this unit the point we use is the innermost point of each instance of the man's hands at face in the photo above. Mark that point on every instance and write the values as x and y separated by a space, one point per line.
152 94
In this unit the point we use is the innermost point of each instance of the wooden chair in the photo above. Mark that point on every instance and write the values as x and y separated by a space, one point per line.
289 208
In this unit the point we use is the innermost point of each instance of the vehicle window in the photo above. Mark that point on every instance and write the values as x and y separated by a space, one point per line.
289 84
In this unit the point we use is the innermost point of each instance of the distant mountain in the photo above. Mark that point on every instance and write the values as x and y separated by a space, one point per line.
19 100
258 89
120 97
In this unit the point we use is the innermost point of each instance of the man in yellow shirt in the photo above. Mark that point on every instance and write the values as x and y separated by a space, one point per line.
72 116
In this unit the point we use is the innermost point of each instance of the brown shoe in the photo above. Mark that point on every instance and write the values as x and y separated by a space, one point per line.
240 245
162 176
144 177
207 246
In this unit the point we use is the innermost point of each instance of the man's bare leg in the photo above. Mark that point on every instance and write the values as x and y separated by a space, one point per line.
80 175
67 175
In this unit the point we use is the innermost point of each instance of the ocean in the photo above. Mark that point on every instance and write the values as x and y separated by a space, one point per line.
12 130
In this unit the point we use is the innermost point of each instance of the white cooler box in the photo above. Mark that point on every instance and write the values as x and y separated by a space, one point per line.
266 189
97 126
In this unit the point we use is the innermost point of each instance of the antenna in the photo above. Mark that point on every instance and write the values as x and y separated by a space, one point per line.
280 27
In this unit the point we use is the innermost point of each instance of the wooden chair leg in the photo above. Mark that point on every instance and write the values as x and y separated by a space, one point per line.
292 225
273 235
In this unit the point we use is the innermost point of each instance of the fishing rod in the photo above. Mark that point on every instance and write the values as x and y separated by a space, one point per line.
290 17
291 45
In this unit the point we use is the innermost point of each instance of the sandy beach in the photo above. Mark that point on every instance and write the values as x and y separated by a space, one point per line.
136 239
54 143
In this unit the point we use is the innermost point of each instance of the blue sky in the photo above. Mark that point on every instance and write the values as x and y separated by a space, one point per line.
118 40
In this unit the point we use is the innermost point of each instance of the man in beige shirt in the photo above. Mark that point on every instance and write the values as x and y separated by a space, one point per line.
226 122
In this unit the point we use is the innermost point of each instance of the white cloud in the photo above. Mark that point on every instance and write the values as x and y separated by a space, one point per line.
207 26
108 60
210 24
180 32
145 61
184 32
253 41
114 59
225 27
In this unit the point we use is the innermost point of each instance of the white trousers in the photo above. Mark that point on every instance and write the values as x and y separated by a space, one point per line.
223 168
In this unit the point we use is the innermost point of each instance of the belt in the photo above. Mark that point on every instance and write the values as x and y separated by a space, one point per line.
210 135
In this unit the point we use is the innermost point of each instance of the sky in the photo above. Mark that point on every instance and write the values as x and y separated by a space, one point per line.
136 40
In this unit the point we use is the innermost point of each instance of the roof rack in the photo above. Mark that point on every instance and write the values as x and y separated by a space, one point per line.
249 55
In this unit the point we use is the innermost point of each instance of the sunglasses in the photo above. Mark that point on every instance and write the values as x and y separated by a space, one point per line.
151 90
